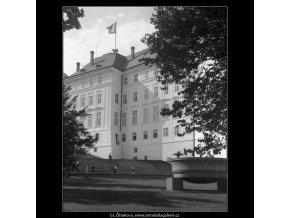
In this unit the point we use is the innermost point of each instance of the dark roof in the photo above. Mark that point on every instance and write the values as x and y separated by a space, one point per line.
115 60
107 60
64 75
138 56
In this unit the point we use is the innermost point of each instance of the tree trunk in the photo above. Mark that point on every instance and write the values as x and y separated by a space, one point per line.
193 153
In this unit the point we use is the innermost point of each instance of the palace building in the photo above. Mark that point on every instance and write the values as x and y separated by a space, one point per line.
124 100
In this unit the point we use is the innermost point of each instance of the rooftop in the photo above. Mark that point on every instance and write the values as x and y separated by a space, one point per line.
116 60
64 75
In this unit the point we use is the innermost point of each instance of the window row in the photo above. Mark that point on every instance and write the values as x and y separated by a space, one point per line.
90 100
155 118
146 93
154 134
89 120
145 116
88 82
135 157
137 77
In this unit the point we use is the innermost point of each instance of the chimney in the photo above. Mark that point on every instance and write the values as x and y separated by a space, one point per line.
92 57
132 52
78 66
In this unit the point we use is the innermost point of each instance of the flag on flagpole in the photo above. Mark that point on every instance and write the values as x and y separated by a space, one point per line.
112 28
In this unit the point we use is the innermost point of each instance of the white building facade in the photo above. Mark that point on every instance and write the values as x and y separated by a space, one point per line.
124 101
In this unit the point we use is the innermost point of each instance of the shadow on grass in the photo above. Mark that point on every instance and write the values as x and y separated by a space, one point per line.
98 182
148 198
200 191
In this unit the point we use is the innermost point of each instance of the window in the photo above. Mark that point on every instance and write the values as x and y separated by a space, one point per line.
125 81
116 119
94 80
99 98
145 157
135 96
116 98
123 137
124 118
145 134
97 136
145 115
134 118
100 79
91 99
146 93
155 133
83 100
95 149
136 78
165 131
156 91
90 120
156 73
124 99
98 119
176 88
91 81
78 85
155 113
134 136
167 107
83 84
117 139
165 91
135 150
146 74
176 130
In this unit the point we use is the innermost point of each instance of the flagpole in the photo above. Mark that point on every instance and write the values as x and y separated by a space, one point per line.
115 34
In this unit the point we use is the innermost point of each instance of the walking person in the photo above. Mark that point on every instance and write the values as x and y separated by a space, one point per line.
112 168
93 168
73 166
133 170
115 169
77 165
110 156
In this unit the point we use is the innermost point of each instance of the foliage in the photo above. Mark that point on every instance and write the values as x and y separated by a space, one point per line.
76 139
186 42
70 18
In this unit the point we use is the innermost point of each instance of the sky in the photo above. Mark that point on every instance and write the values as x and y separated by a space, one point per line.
132 24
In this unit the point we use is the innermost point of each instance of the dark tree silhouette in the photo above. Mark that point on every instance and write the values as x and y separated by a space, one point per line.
186 42
76 139
70 18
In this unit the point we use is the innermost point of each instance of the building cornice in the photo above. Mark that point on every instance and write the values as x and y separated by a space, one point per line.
88 73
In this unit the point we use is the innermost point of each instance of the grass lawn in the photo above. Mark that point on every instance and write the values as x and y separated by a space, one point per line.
139 195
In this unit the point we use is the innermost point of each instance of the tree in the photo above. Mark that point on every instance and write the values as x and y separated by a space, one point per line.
76 139
186 41
70 18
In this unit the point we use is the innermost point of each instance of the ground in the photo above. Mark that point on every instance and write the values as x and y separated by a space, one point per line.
109 194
